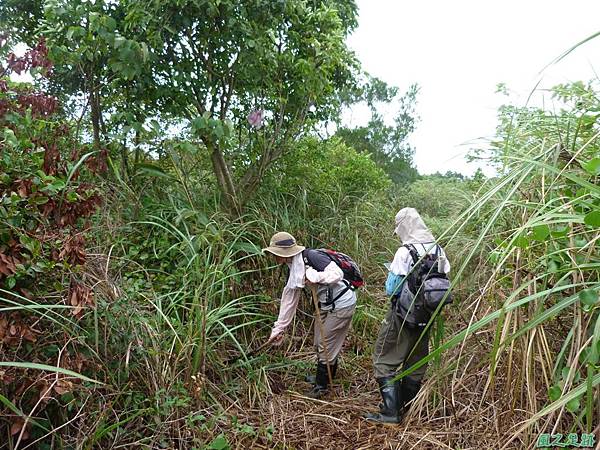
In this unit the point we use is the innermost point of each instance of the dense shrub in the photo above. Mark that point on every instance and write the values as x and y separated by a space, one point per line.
47 195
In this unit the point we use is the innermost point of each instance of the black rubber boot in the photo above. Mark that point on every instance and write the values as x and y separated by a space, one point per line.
399 400
408 391
321 380
309 378
389 408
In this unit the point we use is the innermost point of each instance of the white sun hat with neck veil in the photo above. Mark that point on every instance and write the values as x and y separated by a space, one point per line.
410 227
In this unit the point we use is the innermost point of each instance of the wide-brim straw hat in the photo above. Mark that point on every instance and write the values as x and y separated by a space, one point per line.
283 244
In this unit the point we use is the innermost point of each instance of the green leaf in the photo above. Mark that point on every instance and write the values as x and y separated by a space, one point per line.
188 147
156 128
144 49
119 41
58 184
71 32
67 397
560 232
247 247
199 124
17 411
111 23
588 297
592 166
541 232
521 242
554 393
247 429
553 266
39 200
152 169
31 244
11 282
219 443
573 405
10 138
218 129
495 256
592 219
47 368
94 21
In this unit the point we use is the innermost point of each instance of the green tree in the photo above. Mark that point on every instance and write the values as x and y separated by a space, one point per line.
325 169
387 144
94 63
94 60
249 76
573 127
99 72
207 65
20 20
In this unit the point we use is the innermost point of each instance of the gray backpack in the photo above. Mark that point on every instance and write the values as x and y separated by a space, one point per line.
424 290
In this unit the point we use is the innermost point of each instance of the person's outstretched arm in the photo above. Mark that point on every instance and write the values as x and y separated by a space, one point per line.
287 310
289 299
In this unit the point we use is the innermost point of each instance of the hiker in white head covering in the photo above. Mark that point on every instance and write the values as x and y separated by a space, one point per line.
404 334
411 229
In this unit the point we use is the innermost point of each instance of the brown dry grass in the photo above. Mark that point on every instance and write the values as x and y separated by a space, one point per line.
459 406
450 412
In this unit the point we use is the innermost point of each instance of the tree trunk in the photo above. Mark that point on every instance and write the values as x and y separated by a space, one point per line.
95 104
224 178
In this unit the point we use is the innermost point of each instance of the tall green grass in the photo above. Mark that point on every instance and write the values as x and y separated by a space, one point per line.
539 228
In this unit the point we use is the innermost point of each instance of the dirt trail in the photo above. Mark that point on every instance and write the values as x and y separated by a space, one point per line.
456 408
336 421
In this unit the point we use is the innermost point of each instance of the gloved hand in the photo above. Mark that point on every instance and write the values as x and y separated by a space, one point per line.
276 340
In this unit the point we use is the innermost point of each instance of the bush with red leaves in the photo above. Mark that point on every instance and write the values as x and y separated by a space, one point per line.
47 197
34 59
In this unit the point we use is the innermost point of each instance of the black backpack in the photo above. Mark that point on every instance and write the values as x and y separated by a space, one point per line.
321 258
427 287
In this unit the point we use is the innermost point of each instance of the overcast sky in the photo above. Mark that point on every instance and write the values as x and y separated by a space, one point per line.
458 51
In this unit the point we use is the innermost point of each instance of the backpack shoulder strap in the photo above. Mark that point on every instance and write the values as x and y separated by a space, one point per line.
413 275
316 258
413 252
308 254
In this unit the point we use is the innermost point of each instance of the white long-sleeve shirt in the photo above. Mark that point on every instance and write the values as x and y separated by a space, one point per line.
331 276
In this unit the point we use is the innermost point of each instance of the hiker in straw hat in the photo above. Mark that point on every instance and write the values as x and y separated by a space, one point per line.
335 300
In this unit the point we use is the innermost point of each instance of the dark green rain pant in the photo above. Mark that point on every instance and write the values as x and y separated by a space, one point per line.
398 347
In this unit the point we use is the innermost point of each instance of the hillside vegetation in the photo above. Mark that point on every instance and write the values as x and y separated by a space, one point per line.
159 145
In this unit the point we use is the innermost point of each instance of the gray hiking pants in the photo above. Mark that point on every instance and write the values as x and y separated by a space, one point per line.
335 324
399 347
